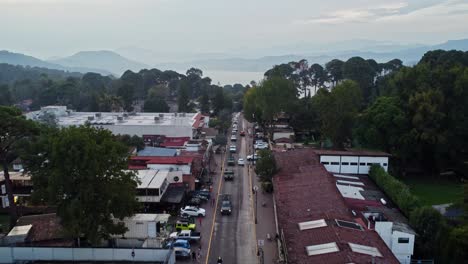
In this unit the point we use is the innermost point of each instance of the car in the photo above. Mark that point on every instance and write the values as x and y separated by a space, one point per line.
226 206
240 162
231 161
233 149
192 211
233 138
185 225
261 146
195 201
228 175
203 195
252 157
242 133
189 235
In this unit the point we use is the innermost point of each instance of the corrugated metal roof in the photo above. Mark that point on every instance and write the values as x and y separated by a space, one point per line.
157 152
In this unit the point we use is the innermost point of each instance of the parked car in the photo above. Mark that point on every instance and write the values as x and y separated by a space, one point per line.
233 149
228 175
188 235
192 211
203 195
252 157
240 162
226 206
181 247
261 146
242 133
233 138
185 225
195 201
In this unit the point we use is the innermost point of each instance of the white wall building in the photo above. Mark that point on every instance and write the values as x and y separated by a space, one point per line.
399 238
152 186
352 162
167 124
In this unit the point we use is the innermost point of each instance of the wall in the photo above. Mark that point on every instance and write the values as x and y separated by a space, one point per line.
18 254
352 164
402 251
154 129
277 135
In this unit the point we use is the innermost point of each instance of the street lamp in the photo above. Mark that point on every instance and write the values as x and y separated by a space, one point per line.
255 212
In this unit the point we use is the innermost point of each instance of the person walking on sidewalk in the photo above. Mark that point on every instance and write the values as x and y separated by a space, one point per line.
213 201
200 220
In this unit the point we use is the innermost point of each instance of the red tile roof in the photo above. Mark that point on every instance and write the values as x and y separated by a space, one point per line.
137 167
174 141
351 152
305 191
199 121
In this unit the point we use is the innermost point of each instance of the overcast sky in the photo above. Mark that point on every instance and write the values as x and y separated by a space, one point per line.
47 28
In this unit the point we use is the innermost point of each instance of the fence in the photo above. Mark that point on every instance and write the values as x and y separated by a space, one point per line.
18 254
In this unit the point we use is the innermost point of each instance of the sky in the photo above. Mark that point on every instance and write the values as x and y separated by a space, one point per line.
48 28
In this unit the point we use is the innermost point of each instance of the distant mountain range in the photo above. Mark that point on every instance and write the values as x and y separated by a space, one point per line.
112 63
102 59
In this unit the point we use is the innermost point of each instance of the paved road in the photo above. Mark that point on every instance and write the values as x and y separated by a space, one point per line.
233 236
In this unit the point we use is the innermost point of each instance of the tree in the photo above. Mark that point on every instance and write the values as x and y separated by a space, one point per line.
155 105
218 101
337 111
13 128
194 71
183 100
5 95
83 171
204 102
428 224
359 70
335 70
220 139
126 93
318 76
265 166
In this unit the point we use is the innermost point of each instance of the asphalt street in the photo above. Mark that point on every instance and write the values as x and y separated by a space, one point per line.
233 236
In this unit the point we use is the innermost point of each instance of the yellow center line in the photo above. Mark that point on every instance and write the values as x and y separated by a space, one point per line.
216 206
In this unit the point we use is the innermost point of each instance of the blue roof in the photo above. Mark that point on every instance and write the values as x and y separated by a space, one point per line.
157 152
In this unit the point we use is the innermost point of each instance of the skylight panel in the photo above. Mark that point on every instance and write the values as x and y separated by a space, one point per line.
312 224
322 249
371 251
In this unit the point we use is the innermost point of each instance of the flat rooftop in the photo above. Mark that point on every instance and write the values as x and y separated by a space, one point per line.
69 118
151 179
318 226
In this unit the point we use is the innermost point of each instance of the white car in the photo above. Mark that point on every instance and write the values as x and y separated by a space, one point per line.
240 162
192 211
233 149
261 146
233 138
252 157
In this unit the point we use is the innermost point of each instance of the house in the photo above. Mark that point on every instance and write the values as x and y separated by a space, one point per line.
17 164
286 133
352 161
152 185
21 186
38 230
315 224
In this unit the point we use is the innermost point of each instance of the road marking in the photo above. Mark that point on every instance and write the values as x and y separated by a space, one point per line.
216 207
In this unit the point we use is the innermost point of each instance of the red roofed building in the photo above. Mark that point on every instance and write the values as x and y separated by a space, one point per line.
189 165
174 142
315 224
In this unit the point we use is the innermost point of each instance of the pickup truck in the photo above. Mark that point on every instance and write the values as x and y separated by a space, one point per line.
188 235
228 175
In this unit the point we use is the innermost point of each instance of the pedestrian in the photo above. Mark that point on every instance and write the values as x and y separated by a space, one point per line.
212 201
200 220
199 257
194 255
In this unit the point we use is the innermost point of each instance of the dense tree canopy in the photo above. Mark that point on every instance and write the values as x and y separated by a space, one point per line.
83 171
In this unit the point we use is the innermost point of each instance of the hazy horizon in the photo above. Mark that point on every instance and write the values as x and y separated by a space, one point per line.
51 28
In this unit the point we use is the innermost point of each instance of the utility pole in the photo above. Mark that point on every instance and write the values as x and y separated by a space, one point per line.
256 191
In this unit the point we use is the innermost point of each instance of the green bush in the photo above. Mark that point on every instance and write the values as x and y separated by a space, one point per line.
396 190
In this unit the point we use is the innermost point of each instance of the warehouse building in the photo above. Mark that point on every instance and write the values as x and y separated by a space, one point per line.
139 124
352 162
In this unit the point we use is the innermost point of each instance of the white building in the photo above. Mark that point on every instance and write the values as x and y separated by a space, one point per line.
165 124
152 186
352 162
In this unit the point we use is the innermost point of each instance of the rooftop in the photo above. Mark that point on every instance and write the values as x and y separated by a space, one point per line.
151 179
45 228
66 117
351 152
306 192
157 152
165 160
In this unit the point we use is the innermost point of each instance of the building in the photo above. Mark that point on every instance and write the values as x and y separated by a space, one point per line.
352 161
157 152
139 124
152 186
144 230
21 185
315 224
38 230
